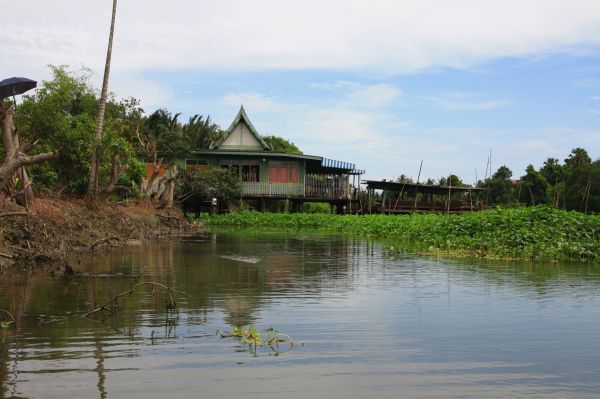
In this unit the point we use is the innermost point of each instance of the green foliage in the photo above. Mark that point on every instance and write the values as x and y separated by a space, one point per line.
534 186
582 191
535 233
316 207
500 186
577 157
553 171
279 144
201 186
202 132
277 342
62 114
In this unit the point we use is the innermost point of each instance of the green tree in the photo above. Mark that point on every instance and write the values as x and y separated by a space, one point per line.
577 157
201 186
202 133
61 115
279 144
500 186
553 171
164 142
534 187
582 191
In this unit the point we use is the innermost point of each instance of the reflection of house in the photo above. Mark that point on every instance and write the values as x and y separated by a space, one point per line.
266 174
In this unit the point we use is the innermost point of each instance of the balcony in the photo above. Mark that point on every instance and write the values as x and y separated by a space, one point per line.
267 189
317 186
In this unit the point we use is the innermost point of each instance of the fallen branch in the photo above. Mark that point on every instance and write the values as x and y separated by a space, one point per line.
103 240
7 214
7 256
8 313
169 217
170 305
20 248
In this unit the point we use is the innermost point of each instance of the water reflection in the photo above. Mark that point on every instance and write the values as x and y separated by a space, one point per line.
372 324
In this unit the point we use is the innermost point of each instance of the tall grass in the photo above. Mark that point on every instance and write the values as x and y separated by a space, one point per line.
535 233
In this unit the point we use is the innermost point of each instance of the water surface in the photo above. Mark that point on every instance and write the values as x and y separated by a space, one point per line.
365 324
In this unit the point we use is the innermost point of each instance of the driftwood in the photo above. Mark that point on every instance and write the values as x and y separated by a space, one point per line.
7 214
103 240
114 300
166 218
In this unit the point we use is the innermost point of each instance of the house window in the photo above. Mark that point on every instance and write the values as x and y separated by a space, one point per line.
283 174
245 170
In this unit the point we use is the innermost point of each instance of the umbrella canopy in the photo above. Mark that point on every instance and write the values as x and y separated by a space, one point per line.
13 86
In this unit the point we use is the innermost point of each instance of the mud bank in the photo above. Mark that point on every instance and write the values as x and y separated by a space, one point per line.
43 239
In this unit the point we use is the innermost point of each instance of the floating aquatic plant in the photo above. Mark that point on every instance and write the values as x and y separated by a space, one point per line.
276 341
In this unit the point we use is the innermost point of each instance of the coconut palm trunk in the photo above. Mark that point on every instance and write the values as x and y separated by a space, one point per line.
92 190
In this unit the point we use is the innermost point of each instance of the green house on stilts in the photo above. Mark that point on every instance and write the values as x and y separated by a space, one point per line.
268 175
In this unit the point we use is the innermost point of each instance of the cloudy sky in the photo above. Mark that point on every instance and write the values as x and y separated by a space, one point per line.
381 83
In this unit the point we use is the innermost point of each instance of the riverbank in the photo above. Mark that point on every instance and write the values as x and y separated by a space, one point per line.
43 239
534 233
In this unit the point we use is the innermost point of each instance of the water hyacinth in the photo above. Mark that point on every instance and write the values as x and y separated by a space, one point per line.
533 233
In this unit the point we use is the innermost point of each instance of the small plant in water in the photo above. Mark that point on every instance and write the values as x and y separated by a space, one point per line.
6 324
276 341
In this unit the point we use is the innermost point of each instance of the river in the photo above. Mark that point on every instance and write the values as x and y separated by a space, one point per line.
365 324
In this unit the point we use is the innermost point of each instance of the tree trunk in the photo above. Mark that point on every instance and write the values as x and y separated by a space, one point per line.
147 189
167 189
117 171
27 192
94 164
14 150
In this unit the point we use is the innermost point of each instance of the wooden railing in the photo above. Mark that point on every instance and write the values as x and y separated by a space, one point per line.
334 187
315 187
273 189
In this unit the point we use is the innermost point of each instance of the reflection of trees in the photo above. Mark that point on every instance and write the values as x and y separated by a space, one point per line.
540 277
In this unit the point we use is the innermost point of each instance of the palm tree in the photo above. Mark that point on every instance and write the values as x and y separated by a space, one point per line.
202 132
93 182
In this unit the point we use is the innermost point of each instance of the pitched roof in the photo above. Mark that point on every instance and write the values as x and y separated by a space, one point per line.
242 116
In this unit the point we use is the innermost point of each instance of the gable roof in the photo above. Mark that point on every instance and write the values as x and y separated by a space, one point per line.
242 117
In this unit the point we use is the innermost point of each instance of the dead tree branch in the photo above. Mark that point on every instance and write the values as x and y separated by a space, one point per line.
103 240
7 214
114 300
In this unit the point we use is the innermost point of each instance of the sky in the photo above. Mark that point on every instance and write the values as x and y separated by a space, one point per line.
384 84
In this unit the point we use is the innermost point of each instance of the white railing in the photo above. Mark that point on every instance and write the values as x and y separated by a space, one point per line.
273 189
315 187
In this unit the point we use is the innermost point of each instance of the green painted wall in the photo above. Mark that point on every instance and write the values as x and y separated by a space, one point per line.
214 160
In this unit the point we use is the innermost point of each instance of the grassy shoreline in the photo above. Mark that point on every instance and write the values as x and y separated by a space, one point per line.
534 233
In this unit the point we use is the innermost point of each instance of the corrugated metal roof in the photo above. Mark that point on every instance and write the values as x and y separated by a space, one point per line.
332 163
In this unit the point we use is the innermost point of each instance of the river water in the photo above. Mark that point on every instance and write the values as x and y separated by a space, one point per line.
365 324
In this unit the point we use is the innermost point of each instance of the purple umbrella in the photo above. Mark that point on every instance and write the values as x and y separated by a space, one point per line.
12 87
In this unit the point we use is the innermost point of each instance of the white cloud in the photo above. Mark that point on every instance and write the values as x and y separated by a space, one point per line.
385 35
252 101
155 95
461 101
374 96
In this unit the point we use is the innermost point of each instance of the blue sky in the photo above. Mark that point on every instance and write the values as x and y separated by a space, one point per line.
383 84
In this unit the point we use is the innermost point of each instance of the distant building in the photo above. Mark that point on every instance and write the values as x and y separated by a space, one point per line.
265 174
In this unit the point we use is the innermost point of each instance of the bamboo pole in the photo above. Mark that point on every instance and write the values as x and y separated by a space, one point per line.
449 190
587 194
417 186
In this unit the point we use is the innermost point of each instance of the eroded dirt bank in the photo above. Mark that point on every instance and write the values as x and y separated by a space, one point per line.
41 240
